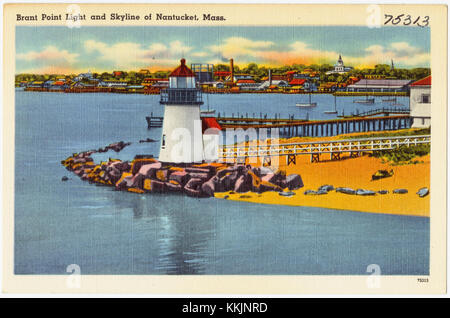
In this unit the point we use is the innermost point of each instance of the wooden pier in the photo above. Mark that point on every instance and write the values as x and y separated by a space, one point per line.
154 121
385 111
298 127
320 128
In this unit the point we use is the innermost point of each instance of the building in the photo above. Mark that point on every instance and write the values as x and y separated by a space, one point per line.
203 72
339 67
221 75
270 84
113 83
379 85
154 81
420 103
239 77
182 138
247 84
86 76
297 83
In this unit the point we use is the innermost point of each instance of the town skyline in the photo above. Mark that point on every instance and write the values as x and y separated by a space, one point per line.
100 49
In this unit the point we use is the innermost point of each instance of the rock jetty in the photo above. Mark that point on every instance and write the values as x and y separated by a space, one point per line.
146 174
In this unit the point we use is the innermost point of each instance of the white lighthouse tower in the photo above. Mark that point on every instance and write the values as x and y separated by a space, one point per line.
181 140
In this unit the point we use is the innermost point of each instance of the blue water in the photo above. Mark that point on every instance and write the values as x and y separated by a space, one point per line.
109 232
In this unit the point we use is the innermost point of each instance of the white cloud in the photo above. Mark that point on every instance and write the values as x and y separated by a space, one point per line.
50 54
130 55
235 47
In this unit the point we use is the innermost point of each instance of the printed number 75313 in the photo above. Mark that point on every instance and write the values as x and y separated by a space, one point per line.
406 19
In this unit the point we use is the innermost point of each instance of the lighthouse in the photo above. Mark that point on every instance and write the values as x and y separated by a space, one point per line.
182 139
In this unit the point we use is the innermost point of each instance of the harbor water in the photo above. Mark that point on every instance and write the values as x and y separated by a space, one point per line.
111 232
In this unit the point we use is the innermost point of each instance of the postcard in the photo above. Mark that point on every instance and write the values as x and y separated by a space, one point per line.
212 149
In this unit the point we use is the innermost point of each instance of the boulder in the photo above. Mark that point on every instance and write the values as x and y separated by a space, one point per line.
326 187
312 192
182 177
149 170
193 188
243 184
158 186
124 182
138 163
162 175
210 186
423 192
194 184
255 181
173 186
121 165
345 190
222 172
364 192
265 171
286 194
138 181
199 175
268 186
294 182
400 191
228 181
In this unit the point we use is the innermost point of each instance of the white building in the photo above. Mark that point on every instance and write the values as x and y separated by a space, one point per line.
182 139
267 84
420 103
339 67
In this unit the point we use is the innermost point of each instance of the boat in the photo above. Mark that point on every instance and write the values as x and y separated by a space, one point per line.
310 104
368 101
365 101
208 111
334 111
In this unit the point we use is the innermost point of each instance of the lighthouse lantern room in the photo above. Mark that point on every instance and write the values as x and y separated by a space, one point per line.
181 140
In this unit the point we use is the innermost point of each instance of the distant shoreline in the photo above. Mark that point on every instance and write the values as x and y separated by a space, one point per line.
122 91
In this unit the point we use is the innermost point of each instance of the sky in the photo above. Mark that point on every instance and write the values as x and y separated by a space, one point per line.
63 50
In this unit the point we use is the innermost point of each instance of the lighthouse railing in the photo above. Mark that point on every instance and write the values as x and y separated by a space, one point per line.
188 96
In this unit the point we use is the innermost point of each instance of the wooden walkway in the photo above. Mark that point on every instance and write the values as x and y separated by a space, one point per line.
354 147
385 111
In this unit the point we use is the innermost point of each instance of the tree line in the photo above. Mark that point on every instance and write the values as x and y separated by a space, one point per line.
257 71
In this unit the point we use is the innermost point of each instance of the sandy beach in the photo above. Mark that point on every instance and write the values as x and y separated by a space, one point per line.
354 173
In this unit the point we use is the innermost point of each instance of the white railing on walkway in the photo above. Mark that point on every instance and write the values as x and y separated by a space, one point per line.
231 153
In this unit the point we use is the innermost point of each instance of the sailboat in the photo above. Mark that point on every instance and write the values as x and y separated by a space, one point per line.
368 100
390 100
208 111
310 104
334 111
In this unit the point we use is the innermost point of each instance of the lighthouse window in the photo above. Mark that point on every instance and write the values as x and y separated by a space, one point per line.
163 140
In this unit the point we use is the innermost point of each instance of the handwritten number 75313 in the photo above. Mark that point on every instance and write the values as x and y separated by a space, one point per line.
406 19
